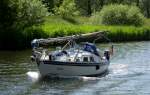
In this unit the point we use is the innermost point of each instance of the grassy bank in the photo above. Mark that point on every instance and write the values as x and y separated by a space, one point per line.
57 26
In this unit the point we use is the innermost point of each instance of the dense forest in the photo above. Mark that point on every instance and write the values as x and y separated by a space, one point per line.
88 7
23 20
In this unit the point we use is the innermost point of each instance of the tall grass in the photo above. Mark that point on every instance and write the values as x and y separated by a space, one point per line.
58 27
55 30
147 22
128 33
116 33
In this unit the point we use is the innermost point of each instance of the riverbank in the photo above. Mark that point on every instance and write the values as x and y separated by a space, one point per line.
58 26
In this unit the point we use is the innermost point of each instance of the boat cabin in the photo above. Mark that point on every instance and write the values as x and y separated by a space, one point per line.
87 52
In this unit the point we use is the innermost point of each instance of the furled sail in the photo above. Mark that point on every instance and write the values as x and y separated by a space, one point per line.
81 37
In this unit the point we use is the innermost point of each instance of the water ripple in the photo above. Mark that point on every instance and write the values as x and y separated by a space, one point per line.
128 74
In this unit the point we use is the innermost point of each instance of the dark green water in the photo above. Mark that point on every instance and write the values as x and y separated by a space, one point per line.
129 74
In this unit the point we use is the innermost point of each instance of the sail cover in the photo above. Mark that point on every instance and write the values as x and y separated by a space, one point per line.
90 48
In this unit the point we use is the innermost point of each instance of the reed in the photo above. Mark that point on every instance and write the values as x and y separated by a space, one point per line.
116 33
57 27
129 33
56 30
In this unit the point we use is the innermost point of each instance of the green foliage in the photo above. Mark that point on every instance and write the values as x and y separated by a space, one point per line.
20 20
67 8
119 15
30 12
21 13
51 28
7 19
145 7
15 16
49 4
117 33
58 30
7 14
128 33
147 22
62 20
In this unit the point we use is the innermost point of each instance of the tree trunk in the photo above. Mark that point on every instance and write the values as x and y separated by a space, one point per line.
89 10
101 3
148 12
137 2
147 9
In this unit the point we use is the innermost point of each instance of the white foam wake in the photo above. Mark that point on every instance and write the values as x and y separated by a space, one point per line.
34 76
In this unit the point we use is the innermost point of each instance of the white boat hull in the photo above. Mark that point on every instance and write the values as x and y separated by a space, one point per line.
75 69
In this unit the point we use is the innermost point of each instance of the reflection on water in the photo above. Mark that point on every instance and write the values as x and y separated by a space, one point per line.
128 74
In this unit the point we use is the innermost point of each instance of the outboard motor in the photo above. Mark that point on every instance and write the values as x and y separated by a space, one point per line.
107 54
32 58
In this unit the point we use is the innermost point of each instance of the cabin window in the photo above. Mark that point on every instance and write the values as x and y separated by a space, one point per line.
53 57
69 60
50 57
85 59
91 59
77 60
97 67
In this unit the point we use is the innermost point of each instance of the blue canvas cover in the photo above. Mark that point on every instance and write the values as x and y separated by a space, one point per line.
90 48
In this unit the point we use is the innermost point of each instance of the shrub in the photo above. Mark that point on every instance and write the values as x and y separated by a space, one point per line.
67 8
15 17
120 15
30 12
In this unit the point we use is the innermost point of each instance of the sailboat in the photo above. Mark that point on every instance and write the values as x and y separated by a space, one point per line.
82 59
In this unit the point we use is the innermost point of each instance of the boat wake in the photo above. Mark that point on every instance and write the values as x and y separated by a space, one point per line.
125 71
114 70
33 76
118 69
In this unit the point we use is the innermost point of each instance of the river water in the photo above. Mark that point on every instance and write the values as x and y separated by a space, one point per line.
129 74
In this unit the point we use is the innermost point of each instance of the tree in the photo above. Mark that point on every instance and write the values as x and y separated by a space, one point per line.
89 10
49 4
118 14
30 12
8 17
85 7
7 14
67 8
15 16
145 6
